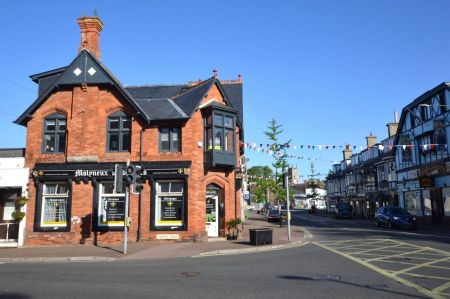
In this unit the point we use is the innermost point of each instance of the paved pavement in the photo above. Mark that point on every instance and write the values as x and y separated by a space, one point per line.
151 250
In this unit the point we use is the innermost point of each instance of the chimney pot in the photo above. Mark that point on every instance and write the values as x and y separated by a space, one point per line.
90 28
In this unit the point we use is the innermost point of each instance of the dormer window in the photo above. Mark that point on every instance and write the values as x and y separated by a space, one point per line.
54 133
119 132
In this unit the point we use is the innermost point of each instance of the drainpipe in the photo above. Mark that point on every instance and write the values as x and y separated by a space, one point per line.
140 192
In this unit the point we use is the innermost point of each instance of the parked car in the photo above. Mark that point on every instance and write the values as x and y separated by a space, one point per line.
394 217
344 210
273 215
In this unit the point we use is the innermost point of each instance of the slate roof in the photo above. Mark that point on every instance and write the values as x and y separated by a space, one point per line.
12 152
161 109
68 77
152 102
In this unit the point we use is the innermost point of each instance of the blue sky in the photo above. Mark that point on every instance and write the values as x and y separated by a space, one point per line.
330 72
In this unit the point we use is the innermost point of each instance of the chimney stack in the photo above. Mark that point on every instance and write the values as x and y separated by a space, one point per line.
348 152
90 28
392 127
371 140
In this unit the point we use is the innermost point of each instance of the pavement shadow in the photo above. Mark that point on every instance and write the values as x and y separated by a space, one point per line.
363 286
13 296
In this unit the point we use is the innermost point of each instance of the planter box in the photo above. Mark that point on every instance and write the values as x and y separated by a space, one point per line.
260 236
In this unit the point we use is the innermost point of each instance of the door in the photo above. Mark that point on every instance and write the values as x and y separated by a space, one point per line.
437 206
212 210
212 217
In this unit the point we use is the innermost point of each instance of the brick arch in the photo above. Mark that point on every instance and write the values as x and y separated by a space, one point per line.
53 110
117 108
217 180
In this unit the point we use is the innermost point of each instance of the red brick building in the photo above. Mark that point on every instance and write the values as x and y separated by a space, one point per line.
186 138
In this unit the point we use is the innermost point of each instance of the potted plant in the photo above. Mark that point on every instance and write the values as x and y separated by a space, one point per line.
20 201
232 226
18 214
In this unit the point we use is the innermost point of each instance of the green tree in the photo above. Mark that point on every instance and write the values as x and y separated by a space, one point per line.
279 153
313 183
256 172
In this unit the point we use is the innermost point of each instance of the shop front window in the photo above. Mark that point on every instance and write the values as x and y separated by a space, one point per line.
412 203
54 204
111 206
169 204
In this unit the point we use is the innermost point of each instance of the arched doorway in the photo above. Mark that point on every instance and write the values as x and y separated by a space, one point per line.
215 210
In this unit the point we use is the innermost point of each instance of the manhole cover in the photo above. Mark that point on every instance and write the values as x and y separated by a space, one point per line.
326 277
188 274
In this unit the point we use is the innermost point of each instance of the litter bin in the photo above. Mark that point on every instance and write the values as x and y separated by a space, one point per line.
260 236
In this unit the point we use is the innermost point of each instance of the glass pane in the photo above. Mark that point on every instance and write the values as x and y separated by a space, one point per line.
61 142
228 121
61 125
218 139
208 120
218 119
126 142
229 140
176 187
8 208
49 143
50 125
50 189
175 133
165 146
113 142
126 123
209 139
54 210
113 124
62 189
175 140
163 187
164 134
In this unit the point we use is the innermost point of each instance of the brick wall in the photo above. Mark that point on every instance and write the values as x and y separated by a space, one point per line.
87 112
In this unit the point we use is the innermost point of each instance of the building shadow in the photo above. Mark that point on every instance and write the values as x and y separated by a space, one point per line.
363 286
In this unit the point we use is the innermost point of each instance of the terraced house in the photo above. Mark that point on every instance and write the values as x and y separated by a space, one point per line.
186 138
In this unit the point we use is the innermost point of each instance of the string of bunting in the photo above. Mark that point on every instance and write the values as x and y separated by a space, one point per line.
256 177
260 147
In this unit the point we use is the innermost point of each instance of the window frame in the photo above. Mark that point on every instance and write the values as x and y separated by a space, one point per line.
98 198
211 127
171 133
155 205
57 117
121 117
40 202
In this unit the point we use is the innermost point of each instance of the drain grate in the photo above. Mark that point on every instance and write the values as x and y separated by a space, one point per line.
326 277
188 274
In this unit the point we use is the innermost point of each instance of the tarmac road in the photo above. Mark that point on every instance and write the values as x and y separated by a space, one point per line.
345 259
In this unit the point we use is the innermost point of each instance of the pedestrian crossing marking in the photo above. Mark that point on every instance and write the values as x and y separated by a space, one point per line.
386 254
